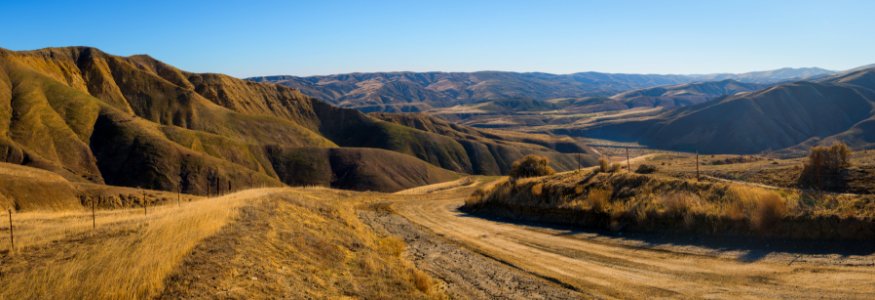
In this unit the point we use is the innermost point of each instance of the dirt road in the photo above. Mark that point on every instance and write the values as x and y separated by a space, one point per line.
602 267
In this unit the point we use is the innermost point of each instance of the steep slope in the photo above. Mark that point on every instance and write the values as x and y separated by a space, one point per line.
783 116
134 121
412 91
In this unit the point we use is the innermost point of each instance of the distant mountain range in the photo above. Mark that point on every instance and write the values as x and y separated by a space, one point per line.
790 115
412 91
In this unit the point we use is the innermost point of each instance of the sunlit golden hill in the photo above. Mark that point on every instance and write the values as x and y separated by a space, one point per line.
135 121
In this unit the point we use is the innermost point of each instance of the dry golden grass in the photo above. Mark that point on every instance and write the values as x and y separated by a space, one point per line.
128 261
297 241
656 202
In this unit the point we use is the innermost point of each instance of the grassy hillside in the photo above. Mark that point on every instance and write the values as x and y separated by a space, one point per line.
135 121
624 201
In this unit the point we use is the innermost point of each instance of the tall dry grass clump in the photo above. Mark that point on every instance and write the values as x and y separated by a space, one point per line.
762 208
605 165
531 166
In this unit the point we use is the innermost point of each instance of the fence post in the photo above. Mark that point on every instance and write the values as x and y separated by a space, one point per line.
11 233
93 216
144 202
628 162
179 190
697 166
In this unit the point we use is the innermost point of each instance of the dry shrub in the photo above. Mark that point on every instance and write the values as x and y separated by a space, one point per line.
824 165
760 207
578 189
770 209
421 280
531 166
646 169
678 204
598 199
537 189
392 245
604 164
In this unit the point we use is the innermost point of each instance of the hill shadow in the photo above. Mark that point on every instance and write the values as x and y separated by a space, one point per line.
752 248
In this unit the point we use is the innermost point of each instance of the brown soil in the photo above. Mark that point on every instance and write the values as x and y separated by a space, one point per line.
453 264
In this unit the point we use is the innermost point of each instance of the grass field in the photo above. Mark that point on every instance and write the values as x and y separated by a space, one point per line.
309 237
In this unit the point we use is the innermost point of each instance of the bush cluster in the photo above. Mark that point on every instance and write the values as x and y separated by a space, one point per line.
824 166
531 166
646 169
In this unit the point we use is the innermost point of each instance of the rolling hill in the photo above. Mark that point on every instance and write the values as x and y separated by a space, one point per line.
493 152
134 121
413 92
791 115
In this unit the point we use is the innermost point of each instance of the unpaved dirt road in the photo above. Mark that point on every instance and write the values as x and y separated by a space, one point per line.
464 274
600 267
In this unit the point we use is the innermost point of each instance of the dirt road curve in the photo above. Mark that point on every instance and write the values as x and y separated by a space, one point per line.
604 268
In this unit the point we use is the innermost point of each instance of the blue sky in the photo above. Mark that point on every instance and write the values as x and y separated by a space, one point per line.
248 38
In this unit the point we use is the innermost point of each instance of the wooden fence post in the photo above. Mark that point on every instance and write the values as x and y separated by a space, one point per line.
11 233
697 166
628 162
144 202
178 191
93 216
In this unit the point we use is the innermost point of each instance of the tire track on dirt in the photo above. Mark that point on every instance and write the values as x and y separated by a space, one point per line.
615 270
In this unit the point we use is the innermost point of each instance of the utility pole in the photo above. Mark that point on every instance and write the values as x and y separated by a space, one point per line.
697 166
628 161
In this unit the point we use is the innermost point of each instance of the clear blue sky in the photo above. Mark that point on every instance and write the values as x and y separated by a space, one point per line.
247 38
